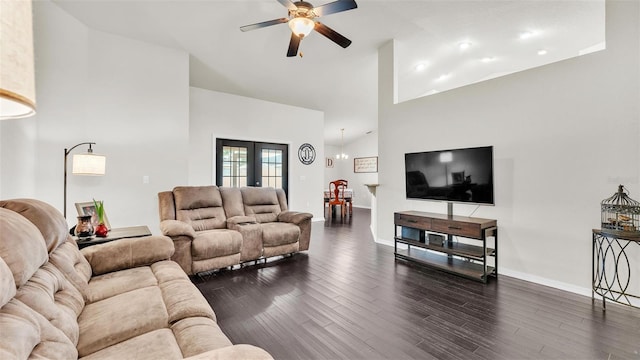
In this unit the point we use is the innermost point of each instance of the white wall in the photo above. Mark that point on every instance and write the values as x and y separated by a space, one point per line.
335 172
221 115
564 136
18 158
365 146
129 97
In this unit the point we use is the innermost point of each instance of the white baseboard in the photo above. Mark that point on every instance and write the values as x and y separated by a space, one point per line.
524 276
546 282
362 207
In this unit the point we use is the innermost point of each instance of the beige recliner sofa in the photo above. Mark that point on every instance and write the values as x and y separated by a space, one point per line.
214 228
119 300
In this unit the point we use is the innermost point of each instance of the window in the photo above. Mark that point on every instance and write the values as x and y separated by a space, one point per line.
248 163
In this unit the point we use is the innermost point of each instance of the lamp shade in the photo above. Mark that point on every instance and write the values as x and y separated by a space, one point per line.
89 164
301 26
17 79
446 157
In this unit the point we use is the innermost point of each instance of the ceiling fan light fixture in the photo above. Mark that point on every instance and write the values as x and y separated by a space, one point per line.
301 26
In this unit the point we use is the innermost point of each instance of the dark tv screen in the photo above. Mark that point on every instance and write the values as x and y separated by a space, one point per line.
459 175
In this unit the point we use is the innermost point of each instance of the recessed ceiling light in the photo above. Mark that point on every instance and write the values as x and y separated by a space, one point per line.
542 52
443 77
488 59
421 67
526 34
464 45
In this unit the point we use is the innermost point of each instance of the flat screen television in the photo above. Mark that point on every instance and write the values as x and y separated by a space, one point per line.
458 175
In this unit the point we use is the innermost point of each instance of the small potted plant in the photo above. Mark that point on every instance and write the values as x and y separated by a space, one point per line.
101 230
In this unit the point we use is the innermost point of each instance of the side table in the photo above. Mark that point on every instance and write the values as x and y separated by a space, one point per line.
115 234
613 272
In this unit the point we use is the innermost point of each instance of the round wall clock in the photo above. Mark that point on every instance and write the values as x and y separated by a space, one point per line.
306 154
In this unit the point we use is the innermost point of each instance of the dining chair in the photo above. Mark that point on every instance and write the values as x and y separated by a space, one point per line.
349 199
336 196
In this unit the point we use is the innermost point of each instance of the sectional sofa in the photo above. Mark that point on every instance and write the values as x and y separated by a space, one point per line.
216 227
121 300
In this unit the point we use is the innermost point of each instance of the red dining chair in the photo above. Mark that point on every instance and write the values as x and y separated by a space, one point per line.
336 196
347 199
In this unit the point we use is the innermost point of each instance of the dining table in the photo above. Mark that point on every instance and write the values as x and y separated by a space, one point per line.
348 197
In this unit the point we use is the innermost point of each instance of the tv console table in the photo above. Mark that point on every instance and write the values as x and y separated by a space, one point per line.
467 258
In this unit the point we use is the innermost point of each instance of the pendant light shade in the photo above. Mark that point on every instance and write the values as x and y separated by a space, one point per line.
17 79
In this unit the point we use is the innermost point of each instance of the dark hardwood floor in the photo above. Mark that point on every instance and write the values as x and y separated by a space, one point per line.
347 298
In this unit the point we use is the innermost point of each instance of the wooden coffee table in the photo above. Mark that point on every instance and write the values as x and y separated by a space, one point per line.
115 234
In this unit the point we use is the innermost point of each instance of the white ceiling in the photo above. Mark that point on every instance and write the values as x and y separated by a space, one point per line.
343 82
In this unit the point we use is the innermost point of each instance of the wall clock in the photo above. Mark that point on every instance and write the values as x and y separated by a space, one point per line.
306 154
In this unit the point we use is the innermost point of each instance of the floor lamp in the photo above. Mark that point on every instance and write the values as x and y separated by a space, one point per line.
446 157
83 164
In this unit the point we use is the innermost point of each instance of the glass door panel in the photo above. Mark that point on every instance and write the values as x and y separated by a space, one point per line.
247 163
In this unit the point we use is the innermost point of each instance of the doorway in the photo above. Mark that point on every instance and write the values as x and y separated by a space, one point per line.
250 163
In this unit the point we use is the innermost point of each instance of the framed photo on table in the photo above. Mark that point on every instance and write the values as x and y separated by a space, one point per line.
89 208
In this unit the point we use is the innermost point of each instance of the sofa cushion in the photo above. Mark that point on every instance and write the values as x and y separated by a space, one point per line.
262 203
119 318
196 335
51 295
128 253
157 344
183 300
232 201
119 282
47 219
168 270
274 234
166 205
22 247
214 243
28 334
7 284
215 263
75 267
282 199
200 206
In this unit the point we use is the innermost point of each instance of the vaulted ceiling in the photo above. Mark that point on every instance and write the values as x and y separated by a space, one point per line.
343 82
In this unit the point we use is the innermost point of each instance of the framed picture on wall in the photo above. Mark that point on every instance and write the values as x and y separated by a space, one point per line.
365 164
89 208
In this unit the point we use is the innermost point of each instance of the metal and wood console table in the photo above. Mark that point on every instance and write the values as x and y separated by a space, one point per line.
612 268
468 258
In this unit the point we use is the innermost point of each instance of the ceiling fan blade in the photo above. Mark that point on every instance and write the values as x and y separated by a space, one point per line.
332 35
293 45
263 24
288 4
334 7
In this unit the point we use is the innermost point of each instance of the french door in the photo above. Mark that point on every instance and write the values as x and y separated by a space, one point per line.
248 163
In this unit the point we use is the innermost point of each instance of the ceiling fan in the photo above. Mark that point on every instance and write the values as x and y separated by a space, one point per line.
302 21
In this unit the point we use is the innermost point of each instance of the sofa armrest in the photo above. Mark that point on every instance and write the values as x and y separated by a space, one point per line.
241 351
175 228
294 217
237 220
128 253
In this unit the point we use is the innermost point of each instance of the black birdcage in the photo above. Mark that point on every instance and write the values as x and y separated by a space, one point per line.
621 213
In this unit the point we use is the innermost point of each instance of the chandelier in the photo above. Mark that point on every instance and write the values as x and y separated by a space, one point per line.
342 155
